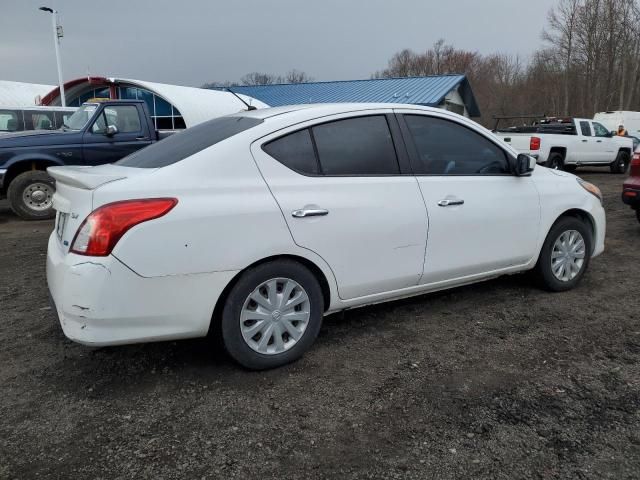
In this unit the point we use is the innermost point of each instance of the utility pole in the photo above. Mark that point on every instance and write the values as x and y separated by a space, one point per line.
57 35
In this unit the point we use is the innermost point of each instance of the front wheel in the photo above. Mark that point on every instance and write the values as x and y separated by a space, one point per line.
272 315
621 163
565 255
30 195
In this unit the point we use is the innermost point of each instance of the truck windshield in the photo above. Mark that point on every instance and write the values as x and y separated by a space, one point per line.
81 117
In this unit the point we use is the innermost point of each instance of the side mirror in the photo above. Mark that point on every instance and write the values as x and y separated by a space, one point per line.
611 134
111 130
523 165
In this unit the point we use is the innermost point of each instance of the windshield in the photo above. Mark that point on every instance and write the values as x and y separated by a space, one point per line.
81 117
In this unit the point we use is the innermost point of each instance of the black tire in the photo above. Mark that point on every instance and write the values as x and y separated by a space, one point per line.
249 281
543 269
638 214
32 209
555 161
621 164
570 168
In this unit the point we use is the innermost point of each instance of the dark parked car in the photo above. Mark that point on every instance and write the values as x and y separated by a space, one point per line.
94 134
631 187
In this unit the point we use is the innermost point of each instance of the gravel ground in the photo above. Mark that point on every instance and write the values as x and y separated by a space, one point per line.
498 380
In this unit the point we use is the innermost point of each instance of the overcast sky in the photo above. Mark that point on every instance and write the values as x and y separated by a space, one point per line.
190 42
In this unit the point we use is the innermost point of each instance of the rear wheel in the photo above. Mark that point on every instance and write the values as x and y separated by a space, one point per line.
272 315
30 195
565 254
555 161
621 163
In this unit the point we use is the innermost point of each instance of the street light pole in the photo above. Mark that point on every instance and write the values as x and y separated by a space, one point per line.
57 35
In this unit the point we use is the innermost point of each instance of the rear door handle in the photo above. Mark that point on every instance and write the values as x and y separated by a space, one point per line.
142 138
309 212
585 141
599 141
450 202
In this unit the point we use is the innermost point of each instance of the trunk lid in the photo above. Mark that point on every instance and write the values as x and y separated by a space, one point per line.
73 200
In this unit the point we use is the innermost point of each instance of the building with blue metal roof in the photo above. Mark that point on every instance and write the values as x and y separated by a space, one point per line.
451 92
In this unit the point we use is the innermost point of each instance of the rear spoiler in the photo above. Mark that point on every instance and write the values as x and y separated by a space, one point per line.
84 177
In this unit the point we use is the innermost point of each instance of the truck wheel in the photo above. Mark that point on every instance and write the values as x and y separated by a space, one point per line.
570 168
555 161
638 214
30 195
621 163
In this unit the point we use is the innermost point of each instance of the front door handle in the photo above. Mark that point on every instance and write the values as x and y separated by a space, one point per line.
142 138
599 141
450 202
309 212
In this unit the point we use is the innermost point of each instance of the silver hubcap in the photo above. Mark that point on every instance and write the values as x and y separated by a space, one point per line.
38 196
275 315
567 256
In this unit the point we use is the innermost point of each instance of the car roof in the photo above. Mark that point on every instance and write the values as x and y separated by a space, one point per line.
314 110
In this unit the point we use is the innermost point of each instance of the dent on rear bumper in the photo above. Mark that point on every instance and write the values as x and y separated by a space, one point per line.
100 301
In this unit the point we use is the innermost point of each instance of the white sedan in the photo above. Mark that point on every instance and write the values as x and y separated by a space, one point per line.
255 225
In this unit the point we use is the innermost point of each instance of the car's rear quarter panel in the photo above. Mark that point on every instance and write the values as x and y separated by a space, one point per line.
226 218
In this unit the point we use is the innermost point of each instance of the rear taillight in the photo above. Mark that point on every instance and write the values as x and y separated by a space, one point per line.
102 229
634 171
534 143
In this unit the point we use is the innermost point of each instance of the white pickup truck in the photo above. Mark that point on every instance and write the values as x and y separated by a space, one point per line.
568 143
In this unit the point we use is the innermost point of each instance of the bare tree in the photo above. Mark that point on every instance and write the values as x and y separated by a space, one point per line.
561 33
259 78
297 76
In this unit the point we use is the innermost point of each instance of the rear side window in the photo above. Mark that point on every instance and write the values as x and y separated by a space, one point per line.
181 145
356 146
10 121
39 120
61 118
295 151
585 129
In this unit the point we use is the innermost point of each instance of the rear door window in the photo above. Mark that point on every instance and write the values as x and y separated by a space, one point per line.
356 146
585 128
183 144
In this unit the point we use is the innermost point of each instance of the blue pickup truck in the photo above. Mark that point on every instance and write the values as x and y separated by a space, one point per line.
96 133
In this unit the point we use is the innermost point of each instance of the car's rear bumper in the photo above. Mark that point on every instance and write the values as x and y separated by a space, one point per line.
100 301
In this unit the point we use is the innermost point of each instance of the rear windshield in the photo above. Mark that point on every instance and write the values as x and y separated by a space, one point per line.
184 144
